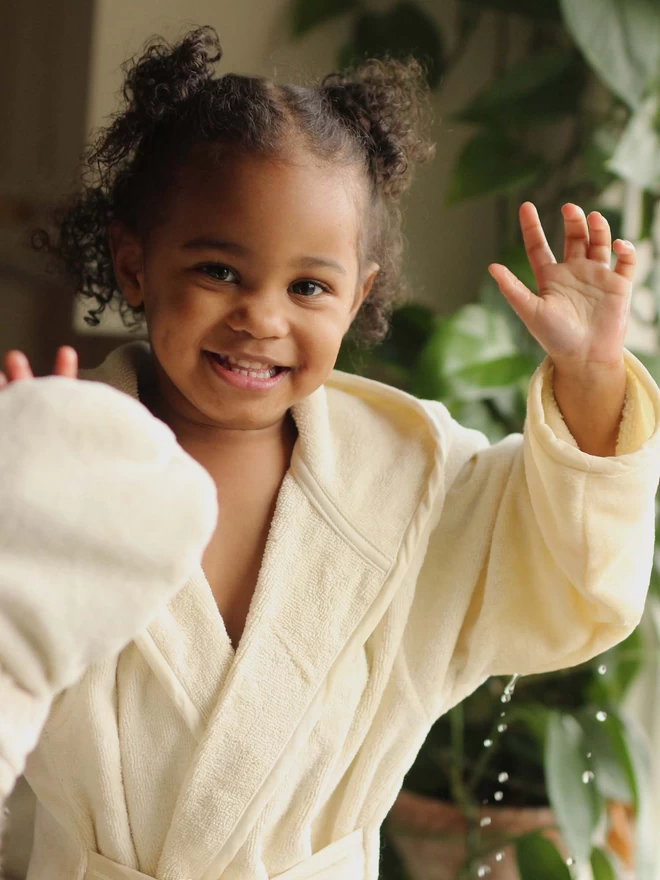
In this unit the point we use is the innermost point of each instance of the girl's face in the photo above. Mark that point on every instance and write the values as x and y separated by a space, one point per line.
253 256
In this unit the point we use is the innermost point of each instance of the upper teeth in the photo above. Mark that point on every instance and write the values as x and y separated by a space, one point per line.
248 365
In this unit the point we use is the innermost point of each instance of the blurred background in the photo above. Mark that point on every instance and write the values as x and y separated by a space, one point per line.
550 777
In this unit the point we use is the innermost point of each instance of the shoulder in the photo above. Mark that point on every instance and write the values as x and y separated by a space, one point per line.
375 406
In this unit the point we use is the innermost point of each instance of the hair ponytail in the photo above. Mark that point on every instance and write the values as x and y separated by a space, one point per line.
385 102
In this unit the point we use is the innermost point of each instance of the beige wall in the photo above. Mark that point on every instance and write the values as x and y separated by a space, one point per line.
449 249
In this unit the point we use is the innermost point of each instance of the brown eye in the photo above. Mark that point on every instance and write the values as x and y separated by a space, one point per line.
309 284
215 267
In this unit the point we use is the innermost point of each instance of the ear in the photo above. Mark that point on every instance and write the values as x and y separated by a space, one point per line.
368 278
128 262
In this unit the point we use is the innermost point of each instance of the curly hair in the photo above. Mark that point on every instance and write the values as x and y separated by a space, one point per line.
377 115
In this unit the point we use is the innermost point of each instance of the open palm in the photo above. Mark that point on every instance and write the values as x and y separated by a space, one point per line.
580 313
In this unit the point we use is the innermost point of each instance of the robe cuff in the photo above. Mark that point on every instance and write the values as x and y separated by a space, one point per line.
637 419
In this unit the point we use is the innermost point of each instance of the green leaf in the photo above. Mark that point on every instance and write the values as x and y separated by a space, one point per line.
347 56
601 866
471 356
308 14
621 41
480 381
640 758
637 157
539 859
598 150
535 718
490 164
577 806
651 362
400 32
623 663
474 414
542 87
610 762
544 9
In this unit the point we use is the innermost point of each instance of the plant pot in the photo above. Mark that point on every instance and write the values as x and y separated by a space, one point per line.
430 836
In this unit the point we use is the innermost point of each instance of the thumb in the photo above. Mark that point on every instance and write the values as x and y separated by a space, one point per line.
521 299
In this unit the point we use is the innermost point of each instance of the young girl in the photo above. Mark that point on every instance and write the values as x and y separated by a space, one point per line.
370 562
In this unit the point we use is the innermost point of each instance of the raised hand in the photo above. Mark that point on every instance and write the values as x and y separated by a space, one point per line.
580 313
17 366
579 316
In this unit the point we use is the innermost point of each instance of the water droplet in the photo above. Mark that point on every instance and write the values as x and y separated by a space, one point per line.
488 743
602 669
502 727
601 716
570 861
505 698
498 795
485 822
484 802
502 714
588 754
587 777
482 870
511 686
499 856
503 777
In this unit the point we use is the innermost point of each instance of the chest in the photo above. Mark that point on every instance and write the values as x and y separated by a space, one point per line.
233 558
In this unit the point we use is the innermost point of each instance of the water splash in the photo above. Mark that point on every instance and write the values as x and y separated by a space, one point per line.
499 856
503 777
601 716
498 795
602 669
485 821
510 688
570 861
488 743
482 870
587 777
502 727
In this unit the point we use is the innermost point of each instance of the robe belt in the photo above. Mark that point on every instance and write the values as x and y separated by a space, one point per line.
338 861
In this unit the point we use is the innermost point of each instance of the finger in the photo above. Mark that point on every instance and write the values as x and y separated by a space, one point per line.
66 362
626 259
576 233
536 244
17 366
521 299
600 239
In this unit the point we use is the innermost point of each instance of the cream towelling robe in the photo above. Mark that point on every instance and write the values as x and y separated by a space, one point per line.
407 561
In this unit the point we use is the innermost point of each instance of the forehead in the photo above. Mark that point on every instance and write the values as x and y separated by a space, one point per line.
286 205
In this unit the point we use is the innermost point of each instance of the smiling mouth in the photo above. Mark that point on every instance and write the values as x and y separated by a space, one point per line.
268 372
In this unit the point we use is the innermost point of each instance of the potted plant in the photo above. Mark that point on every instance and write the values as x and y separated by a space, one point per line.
554 778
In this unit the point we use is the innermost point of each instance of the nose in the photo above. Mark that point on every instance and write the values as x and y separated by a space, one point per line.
260 312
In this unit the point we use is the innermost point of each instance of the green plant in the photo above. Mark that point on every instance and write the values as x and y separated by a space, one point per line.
590 78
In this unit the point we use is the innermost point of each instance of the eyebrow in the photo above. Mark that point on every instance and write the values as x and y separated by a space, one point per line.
205 243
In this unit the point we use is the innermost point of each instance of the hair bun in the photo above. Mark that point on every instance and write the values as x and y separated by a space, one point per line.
387 102
167 75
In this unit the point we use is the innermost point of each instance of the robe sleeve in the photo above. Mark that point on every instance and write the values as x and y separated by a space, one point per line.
103 517
541 554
